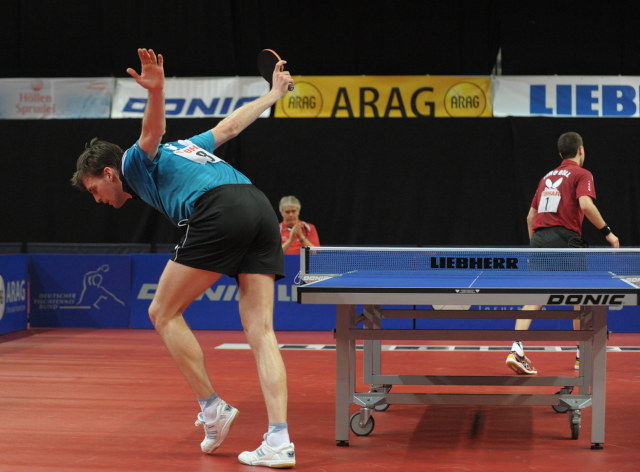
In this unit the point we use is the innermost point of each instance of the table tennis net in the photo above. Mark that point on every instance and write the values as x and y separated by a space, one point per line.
340 260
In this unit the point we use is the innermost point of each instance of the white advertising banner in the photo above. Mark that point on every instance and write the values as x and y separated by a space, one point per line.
565 96
190 98
28 99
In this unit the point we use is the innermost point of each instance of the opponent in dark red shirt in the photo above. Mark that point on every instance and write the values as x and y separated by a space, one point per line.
563 198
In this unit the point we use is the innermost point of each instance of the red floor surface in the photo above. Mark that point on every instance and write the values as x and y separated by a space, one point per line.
111 400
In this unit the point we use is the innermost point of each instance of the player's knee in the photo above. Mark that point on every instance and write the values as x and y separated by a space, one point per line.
157 315
252 332
255 331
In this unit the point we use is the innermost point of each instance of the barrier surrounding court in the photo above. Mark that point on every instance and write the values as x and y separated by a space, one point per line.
14 277
115 290
80 290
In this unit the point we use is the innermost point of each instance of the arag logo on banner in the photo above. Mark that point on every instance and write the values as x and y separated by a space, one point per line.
386 97
465 100
305 101
13 292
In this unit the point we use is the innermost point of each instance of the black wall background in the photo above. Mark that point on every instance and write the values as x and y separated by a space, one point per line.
361 181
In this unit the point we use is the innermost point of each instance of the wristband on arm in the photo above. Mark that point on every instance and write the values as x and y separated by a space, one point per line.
605 230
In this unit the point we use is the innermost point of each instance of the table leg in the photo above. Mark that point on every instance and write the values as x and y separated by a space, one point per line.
345 370
599 376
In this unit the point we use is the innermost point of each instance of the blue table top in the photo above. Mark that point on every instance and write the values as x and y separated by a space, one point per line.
427 280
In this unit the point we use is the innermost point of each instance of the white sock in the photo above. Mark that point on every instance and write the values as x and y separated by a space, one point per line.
518 348
278 435
209 407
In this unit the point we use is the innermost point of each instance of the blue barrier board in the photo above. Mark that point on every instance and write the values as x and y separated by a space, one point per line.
14 282
80 290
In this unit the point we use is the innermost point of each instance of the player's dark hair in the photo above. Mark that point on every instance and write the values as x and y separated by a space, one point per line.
568 144
96 156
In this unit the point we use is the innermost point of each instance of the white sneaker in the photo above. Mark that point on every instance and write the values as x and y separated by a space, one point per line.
282 457
216 430
520 364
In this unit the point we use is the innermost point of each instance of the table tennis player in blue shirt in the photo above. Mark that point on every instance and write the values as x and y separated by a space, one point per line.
563 198
229 228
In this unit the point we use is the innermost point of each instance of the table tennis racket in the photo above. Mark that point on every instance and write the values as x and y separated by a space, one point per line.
267 60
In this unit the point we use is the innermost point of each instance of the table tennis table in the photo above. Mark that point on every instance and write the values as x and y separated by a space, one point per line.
370 284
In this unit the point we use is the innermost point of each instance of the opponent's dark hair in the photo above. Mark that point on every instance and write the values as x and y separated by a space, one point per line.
96 156
568 144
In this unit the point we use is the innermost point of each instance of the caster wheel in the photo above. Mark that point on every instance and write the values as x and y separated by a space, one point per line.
358 430
383 407
574 423
383 388
575 431
561 408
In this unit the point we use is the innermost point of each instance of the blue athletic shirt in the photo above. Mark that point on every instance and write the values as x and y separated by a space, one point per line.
181 172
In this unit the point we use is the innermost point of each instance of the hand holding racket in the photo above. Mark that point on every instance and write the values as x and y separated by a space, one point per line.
270 64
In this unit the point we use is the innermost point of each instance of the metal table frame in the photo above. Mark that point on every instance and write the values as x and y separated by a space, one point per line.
590 381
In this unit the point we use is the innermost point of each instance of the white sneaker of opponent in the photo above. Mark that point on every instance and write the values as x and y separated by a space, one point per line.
520 364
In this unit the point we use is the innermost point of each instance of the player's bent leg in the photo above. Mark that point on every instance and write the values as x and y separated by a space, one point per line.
179 285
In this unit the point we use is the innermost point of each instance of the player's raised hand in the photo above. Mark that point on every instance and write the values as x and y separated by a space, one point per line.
282 81
152 70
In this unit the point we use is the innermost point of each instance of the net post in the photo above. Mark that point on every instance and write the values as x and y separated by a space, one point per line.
304 261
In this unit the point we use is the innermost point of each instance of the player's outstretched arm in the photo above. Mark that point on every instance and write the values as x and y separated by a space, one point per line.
232 125
152 79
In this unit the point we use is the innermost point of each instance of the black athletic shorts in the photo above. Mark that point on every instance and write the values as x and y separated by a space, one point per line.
557 236
561 238
233 230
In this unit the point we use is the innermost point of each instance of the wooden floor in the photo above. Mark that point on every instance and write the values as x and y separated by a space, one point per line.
111 400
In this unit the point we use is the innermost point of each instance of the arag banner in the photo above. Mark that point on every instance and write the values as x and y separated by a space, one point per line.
387 97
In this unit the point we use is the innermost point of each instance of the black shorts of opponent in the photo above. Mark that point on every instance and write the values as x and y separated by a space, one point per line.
233 230
562 238
557 237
